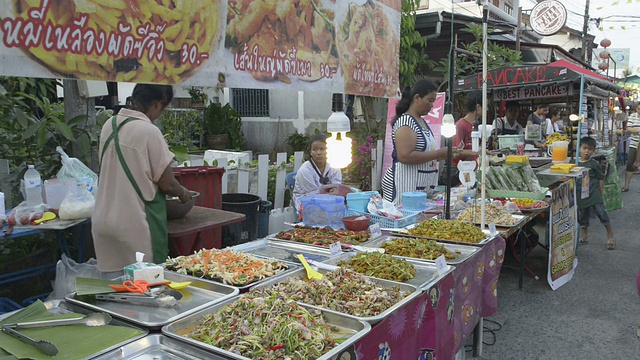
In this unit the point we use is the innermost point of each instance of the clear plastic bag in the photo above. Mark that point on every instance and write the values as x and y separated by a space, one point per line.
73 168
67 271
78 204
24 214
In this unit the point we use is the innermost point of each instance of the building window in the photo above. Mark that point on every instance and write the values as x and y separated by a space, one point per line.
251 102
508 8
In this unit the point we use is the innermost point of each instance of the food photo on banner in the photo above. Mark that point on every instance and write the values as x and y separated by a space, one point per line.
326 46
563 234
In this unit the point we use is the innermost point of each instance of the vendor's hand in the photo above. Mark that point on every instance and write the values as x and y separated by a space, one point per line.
186 195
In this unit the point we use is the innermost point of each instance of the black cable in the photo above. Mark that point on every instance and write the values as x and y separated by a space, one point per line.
493 329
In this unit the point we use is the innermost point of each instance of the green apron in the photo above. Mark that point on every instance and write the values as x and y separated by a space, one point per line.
155 210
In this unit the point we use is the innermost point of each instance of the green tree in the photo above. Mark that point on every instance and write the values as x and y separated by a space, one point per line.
412 44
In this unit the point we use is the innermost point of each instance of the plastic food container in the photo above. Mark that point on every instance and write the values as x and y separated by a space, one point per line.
414 201
358 201
323 210
510 141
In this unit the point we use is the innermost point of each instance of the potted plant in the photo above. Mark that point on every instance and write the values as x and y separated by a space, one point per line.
198 97
223 127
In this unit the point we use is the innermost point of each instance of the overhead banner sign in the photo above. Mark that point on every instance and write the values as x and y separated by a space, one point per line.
532 92
563 230
322 45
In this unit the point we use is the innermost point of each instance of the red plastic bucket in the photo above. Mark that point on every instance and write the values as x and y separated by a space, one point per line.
207 180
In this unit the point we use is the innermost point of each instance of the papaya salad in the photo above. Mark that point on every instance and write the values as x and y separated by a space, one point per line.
227 266
266 326
341 290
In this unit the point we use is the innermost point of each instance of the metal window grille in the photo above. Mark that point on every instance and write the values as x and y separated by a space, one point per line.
251 102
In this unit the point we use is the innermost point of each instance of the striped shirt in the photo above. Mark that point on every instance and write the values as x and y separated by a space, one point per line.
634 122
399 177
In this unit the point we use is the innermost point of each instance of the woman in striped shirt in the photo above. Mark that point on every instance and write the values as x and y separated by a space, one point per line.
414 154
633 161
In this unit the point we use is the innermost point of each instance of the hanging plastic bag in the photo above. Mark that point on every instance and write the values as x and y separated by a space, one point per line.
67 271
78 204
73 168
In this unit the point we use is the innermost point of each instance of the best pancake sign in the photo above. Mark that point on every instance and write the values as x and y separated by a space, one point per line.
153 41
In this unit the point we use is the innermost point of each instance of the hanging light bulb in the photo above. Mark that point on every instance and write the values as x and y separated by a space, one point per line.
338 144
448 126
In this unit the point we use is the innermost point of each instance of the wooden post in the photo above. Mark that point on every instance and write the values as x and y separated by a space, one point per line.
279 193
297 162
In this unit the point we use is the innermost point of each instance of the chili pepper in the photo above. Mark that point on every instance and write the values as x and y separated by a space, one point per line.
277 347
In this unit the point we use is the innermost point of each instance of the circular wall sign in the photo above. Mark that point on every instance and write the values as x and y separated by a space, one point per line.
548 17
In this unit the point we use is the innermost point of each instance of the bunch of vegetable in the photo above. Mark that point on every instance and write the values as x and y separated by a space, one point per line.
228 266
266 326
513 177
323 236
453 230
416 248
381 266
341 290
556 137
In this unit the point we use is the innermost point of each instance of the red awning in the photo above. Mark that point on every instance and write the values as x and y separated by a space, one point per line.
579 69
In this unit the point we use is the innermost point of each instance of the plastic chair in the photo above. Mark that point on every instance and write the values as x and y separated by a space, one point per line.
290 183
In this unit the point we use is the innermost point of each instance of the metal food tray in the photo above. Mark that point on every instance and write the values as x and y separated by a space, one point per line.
405 233
198 295
284 250
426 273
460 252
412 290
357 328
159 347
244 288
61 307
275 237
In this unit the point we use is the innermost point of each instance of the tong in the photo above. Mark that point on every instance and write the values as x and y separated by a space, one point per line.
44 347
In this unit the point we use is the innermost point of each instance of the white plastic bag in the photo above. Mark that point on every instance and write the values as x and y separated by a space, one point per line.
78 204
379 206
68 270
73 168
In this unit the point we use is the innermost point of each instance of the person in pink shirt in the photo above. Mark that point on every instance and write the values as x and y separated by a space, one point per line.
465 125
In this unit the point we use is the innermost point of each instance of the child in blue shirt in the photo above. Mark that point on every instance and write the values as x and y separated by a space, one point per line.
594 202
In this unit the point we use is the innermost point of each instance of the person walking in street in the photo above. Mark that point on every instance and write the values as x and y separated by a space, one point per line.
594 202
633 160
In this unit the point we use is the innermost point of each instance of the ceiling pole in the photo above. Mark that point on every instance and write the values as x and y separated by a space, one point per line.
585 28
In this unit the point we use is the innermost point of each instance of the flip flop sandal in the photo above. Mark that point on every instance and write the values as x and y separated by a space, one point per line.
583 241
611 244
624 189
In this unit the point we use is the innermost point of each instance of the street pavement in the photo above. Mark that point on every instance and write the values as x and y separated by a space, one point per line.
596 315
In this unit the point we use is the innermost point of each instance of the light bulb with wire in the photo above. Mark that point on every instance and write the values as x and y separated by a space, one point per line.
338 144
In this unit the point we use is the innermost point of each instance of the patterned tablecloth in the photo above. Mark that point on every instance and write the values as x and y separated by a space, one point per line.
437 324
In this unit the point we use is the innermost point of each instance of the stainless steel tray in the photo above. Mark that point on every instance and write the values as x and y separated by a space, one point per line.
404 233
357 330
275 237
61 307
159 347
412 290
284 250
460 252
245 288
426 273
200 294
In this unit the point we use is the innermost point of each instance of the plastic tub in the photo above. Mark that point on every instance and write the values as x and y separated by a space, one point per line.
242 232
323 210
358 201
207 180
414 201
509 141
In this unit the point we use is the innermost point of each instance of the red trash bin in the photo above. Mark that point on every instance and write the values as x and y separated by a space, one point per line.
207 180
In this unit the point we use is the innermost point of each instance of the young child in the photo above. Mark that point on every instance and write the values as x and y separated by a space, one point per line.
594 202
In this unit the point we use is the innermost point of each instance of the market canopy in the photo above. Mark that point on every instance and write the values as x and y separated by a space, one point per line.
320 45
556 79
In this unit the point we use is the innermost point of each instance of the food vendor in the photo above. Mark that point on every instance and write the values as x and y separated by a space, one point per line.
539 117
315 174
553 122
464 126
414 154
508 125
130 214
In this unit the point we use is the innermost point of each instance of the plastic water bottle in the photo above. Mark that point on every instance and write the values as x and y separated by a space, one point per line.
33 186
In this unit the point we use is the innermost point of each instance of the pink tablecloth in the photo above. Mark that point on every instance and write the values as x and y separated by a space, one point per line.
436 324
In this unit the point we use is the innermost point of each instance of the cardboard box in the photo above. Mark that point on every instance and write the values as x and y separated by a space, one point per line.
152 273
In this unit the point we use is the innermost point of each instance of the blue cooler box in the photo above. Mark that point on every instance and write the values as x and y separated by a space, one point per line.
323 210
414 201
